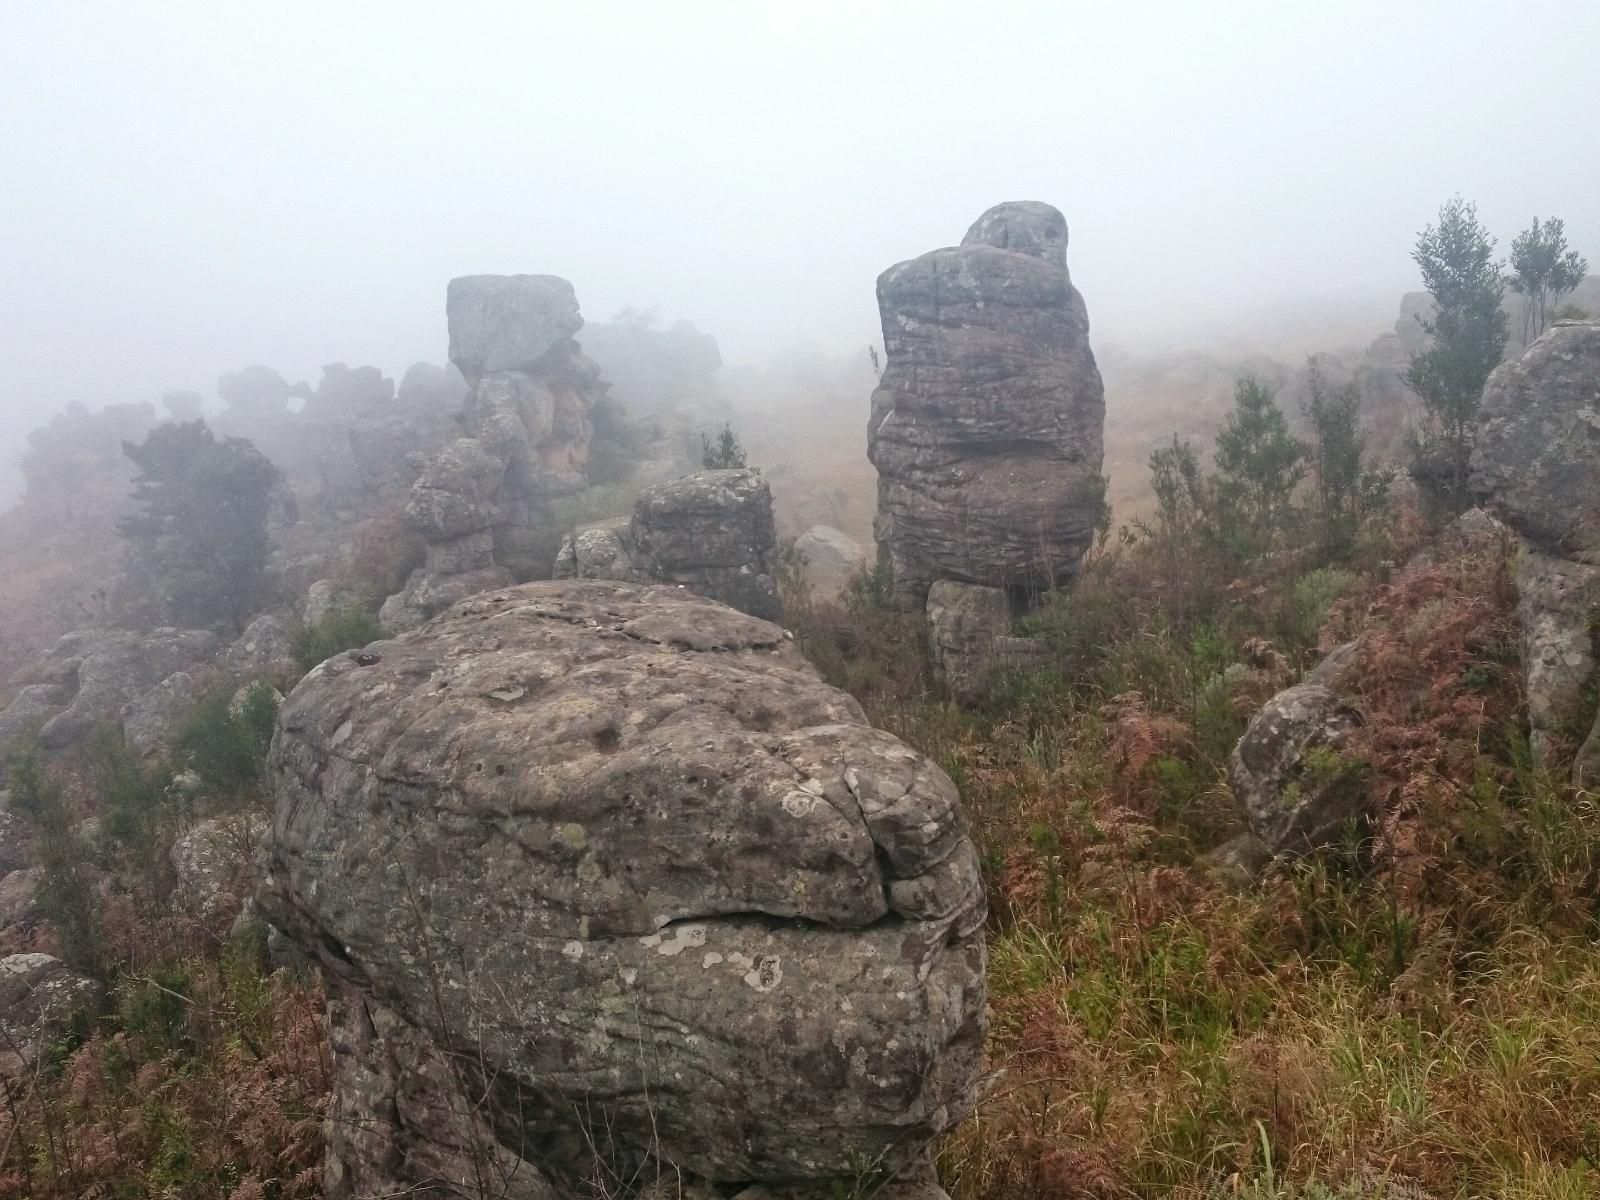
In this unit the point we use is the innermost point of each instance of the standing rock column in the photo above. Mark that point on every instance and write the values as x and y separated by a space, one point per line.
1537 467
483 504
987 423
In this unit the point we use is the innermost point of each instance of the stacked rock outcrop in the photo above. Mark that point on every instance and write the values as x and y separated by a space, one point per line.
986 424
483 503
605 879
1537 468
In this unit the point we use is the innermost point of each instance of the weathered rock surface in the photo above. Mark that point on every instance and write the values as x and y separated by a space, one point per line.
152 721
1295 788
19 897
986 425
712 532
1539 441
39 995
680 900
603 550
213 864
264 651
483 503
832 557
970 640
324 598
1554 599
89 677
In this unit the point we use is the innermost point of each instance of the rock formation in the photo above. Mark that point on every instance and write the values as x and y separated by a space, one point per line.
483 503
710 532
39 996
832 557
607 881
1537 467
987 423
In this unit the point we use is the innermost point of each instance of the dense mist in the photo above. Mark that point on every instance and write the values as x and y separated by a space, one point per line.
193 188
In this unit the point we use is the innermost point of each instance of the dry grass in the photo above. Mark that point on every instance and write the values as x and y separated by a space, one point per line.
1414 1015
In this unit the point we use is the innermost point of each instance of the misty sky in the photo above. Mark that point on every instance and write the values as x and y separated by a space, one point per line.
192 187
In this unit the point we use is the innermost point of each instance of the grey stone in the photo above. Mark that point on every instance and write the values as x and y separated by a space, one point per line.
970 640
1537 458
986 425
19 897
1554 599
832 557
212 863
682 903
508 322
113 668
1295 799
152 720
712 532
39 996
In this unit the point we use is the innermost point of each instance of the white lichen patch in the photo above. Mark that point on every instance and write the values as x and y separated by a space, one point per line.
766 974
342 734
683 937
711 959
572 950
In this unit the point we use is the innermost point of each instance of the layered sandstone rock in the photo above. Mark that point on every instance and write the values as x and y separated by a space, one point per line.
607 878
482 504
711 532
986 424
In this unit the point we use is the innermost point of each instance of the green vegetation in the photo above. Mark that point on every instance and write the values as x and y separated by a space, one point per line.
724 453
202 526
341 630
1468 332
1543 269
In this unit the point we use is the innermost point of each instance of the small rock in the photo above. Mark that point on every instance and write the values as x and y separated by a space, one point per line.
1297 790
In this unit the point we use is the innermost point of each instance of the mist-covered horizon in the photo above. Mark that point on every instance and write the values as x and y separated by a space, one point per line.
193 189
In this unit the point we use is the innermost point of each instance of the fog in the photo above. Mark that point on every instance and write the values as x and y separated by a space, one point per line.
192 187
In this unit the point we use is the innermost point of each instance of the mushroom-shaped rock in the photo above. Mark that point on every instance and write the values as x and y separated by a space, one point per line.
1297 790
614 860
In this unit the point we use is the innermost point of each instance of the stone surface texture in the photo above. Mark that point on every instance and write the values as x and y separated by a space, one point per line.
483 503
1539 441
1296 799
39 995
986 425
604 874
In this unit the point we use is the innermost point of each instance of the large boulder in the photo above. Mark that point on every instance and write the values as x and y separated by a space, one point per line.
1539 441
986 424
832 557
712 532
608 873
104 670
508 322
1297 789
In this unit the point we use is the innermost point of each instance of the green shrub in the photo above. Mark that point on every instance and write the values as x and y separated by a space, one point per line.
66 894
341 630
226 745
